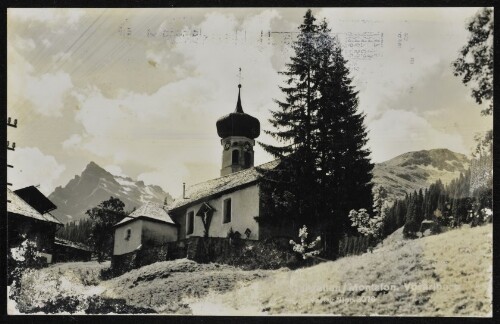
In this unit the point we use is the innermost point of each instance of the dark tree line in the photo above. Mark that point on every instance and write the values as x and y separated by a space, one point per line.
76 231
451 205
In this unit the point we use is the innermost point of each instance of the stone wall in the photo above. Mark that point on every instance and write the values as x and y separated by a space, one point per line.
247 254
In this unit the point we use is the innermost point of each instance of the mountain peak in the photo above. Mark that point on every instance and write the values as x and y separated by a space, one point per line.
95 185
93 166
93 170
418 169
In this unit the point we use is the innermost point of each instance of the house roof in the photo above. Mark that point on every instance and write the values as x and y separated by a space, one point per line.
149 210
17 205
219 186
71 244
36 199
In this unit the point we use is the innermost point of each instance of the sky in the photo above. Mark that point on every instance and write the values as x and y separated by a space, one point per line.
138 91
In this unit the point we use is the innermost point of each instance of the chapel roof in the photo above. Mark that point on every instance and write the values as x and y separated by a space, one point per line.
219 186
149 210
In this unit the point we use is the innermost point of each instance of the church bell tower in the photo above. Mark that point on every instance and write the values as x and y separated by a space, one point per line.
237 131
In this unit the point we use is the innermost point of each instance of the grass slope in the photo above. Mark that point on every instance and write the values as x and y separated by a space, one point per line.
446 275
164 286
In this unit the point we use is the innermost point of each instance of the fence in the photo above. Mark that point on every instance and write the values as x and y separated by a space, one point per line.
355 245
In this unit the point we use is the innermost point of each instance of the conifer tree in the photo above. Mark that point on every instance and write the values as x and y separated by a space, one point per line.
288 187
325 169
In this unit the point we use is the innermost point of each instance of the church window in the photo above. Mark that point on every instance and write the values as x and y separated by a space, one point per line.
236 157
128 234
227 211
190 223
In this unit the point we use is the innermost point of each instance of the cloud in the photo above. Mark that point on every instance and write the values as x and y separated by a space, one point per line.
399 131
443 101
156 57
18 71
47 43
33 167
24 44
115 170
171 130
73 142
169 181
49 16
149 104
46 92
413 42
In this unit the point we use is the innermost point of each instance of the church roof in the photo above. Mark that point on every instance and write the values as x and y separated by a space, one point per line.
219 186
238 123
149 210
17 205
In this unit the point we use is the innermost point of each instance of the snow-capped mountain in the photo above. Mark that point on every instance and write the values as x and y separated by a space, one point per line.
95 185
414 170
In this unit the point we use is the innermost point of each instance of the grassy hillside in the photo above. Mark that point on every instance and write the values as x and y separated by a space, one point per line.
447 274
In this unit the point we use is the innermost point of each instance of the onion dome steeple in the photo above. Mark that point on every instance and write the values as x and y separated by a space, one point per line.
238 123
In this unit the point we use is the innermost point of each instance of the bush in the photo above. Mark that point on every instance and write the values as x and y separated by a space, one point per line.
306 250
272 253
89 305
481 216
20 260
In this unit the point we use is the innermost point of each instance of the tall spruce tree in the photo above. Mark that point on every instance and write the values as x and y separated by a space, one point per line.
325 169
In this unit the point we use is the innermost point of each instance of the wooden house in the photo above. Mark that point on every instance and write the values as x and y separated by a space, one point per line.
32 222
68 251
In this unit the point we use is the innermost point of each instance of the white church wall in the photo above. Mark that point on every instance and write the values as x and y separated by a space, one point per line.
244 205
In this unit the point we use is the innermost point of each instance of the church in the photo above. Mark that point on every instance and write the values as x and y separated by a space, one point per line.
230 203
228 206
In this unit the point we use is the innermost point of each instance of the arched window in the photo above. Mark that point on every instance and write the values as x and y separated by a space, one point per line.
248 159
236 157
